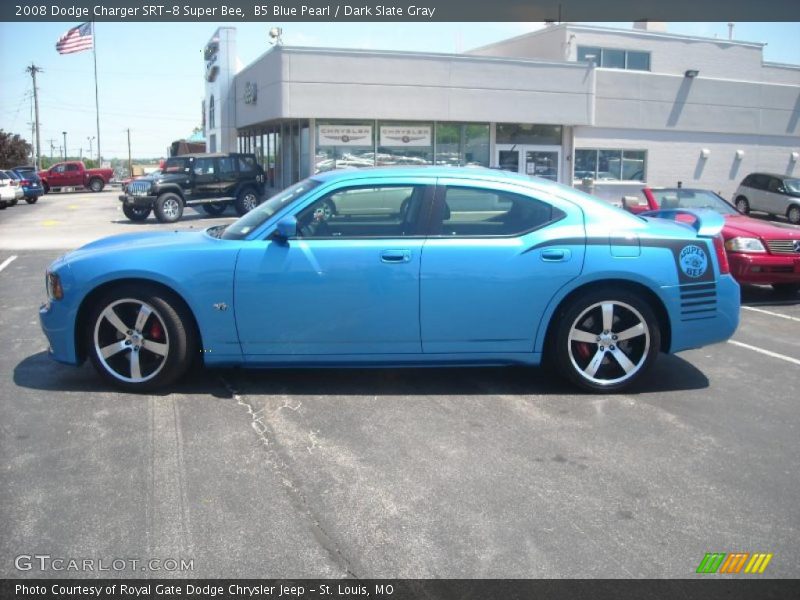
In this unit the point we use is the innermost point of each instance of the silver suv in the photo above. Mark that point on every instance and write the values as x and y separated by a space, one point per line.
770 193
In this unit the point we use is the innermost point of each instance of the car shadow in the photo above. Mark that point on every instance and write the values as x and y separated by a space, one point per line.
764 295
669 374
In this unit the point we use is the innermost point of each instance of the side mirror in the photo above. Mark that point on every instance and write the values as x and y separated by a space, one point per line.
285 229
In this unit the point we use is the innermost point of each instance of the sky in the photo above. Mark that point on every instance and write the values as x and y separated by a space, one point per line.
150 75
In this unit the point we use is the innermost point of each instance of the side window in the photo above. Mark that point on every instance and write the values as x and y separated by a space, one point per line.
774 185
760 182
204 166
72 167
363 212
247 164
476 212
227 166
59 169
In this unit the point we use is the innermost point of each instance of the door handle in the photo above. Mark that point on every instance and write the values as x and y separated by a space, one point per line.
556 255
396 256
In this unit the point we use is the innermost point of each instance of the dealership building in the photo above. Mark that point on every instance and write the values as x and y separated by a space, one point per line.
579 104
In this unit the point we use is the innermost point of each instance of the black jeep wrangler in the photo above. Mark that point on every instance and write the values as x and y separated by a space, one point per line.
210 181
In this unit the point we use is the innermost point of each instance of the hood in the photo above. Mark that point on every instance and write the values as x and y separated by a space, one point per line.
139 242
740 225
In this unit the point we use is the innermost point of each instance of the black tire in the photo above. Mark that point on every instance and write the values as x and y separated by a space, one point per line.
162 348
46 188
96 184
786 288
793 214
587 348
215 209
32 200
169 208
246 201
743 205
136 213
3 205
13 202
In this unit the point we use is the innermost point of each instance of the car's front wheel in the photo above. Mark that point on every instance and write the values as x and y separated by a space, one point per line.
606 339
169 208
246 201
32 200
140 338
742 205
793 214
136 213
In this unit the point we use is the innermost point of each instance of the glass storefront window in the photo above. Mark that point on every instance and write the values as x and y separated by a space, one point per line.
610 165
526 133
613 59
343 144
462 144
404 143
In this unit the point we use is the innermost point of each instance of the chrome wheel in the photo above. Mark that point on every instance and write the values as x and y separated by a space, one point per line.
608 343
131 341
250 201
171 208
793 215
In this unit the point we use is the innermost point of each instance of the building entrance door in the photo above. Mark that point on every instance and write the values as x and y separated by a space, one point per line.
542 161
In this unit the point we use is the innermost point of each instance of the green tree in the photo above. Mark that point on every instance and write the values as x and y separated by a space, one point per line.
14 150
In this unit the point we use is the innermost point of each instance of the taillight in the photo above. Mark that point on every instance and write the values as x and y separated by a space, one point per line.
24 182
722 258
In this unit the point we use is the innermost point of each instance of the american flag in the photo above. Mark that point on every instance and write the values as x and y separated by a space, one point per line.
76 39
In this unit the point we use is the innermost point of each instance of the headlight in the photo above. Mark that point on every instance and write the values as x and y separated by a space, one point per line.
54 289
744 244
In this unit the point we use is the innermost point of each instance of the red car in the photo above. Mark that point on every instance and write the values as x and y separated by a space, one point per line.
758 251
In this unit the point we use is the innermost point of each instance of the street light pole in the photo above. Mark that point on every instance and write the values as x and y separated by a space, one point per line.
65 145
130 162
90 139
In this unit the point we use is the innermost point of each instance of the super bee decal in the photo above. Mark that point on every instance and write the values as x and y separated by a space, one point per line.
693 261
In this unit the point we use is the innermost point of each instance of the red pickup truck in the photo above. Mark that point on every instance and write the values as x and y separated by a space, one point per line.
74 174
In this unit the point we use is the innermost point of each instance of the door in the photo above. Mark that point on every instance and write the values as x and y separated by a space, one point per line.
228 176
777 200
346 285
497 258
57 176
541 161
206 179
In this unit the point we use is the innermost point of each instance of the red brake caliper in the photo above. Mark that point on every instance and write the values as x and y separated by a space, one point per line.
156 332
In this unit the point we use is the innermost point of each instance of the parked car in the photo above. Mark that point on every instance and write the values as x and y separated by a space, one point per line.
759 252
31 185
207 181
770 193
514 270
74 174
10 190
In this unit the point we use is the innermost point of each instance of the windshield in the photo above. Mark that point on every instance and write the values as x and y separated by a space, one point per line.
176 165
793 185
259 215
680 198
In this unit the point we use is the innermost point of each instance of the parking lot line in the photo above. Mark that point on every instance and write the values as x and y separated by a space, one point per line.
794 361
7 262
769 312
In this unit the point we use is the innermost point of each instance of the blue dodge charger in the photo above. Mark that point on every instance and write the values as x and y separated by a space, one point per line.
400 266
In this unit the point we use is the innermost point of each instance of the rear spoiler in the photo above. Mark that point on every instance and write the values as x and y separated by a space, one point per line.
705 222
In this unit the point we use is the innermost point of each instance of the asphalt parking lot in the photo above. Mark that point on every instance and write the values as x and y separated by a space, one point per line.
389 473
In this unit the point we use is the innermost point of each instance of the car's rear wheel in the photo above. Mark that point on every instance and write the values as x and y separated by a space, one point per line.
793 214
96 185
606 340
169 208
136 213
742 205
32 200
215 209
786 288
140 338
246 201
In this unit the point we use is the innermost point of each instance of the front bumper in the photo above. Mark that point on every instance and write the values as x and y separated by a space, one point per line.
764 268
137 201
56 320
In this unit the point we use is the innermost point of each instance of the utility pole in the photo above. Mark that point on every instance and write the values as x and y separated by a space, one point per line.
65 145
33 70
130 163
52 147
90 139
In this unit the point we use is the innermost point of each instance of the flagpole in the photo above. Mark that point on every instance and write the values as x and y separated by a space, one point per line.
96 95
